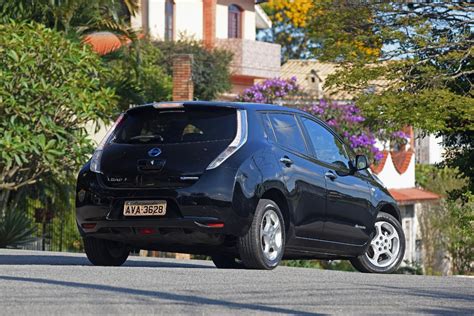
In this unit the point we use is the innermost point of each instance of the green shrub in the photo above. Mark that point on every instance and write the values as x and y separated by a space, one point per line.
50 89
440 180
447 226
459 233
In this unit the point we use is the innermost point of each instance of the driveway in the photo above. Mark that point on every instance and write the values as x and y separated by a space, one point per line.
59 283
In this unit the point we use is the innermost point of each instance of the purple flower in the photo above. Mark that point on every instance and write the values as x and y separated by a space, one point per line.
378 155
400 134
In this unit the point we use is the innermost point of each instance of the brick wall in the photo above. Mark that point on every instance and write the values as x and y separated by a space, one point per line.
182 77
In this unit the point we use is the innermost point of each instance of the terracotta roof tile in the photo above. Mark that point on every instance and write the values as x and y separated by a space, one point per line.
104 42
413 195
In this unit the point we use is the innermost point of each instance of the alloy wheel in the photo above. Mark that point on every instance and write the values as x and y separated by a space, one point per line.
385 246
271 235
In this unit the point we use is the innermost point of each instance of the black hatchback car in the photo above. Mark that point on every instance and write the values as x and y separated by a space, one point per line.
246 184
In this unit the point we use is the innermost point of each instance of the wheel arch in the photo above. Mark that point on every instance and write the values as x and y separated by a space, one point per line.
392 210
277 196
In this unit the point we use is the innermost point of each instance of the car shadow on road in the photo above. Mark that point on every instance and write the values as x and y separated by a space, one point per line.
179 298
60 260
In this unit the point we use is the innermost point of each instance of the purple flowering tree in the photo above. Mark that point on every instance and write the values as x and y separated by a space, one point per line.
345 118
269 91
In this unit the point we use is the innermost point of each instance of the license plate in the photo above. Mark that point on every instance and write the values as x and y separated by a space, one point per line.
144 208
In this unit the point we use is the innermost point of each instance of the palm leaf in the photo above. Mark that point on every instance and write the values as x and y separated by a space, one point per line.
16 229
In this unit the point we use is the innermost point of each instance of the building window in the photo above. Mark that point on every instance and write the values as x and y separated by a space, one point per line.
169 20
235 22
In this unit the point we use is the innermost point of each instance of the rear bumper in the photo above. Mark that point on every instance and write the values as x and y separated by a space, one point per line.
190 210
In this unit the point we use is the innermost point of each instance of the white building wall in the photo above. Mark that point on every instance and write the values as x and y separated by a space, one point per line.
156 18
188 19
249 25
393 180
429 149
222 15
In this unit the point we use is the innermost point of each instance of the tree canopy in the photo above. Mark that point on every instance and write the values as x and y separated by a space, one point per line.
73 17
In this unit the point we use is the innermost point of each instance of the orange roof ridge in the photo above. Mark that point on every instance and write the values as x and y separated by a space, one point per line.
413 195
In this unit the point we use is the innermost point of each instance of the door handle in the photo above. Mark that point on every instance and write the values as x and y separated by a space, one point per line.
287 161
330 175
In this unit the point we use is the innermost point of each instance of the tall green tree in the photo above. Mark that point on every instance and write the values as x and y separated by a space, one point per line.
73 17
425 73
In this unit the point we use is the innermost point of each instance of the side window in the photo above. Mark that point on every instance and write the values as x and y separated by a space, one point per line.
268 127
287 132
328 148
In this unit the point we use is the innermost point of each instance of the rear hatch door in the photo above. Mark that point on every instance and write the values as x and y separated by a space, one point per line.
166 147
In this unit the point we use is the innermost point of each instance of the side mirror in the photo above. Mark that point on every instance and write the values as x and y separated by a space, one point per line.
361 162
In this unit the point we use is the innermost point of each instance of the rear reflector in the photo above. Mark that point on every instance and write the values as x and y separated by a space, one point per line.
215 225
88 225
147 231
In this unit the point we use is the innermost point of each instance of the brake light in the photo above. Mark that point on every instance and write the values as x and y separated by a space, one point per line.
97 156
239 140
168 105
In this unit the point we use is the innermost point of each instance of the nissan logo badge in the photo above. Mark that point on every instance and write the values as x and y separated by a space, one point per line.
154 152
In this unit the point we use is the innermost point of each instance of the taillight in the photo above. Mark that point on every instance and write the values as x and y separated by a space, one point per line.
239 140
97 156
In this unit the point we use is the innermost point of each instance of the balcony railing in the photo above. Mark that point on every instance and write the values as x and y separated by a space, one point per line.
252 58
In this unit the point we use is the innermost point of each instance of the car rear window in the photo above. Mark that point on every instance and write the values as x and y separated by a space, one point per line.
168 126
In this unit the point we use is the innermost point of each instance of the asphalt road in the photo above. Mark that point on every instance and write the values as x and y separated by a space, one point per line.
58 283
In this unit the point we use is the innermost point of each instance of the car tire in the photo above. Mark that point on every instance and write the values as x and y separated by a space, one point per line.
101 252
263 245
386 250
226 262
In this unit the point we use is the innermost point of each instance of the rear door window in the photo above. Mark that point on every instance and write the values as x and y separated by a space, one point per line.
287 131
153 126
